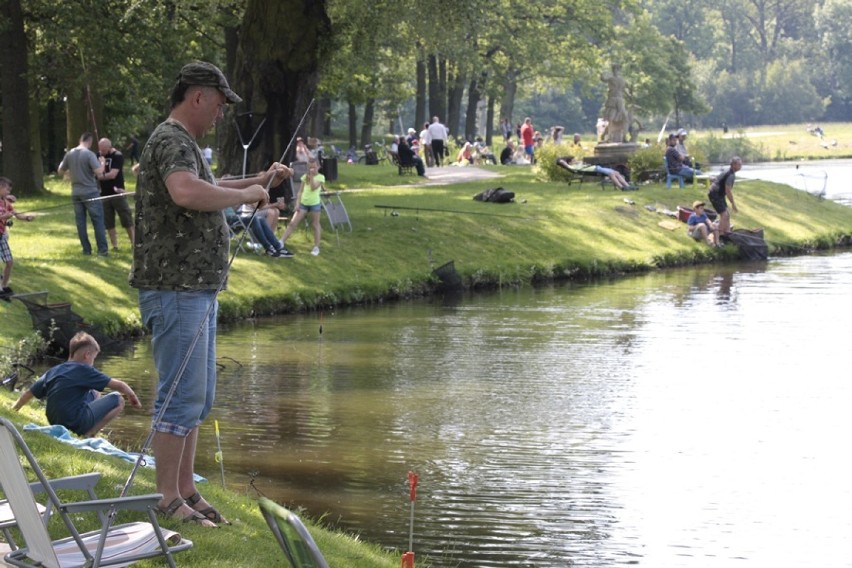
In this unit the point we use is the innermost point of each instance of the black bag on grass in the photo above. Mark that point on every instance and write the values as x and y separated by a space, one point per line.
495 195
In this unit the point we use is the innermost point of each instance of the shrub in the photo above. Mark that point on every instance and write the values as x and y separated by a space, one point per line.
721 150
545 158
646 162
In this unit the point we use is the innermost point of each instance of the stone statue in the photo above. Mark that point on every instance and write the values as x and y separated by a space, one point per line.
615 109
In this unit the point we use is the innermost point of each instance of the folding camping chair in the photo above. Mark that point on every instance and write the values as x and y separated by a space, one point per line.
334 209
295 540
85 482
237 226
119 545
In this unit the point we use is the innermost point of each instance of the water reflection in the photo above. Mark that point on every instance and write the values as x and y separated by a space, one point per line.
683 418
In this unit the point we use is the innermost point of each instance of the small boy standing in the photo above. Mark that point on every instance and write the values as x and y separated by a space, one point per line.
7 211
72 390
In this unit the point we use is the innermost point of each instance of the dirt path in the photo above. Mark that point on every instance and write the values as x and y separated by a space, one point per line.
458 174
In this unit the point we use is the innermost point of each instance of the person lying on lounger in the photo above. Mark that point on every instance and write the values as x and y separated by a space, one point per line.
575 167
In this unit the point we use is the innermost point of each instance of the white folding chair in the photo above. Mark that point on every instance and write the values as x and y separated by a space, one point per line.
118 545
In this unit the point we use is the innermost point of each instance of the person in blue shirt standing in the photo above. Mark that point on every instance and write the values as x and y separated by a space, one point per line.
72 391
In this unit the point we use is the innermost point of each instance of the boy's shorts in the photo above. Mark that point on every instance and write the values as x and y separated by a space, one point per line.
95 412
5 251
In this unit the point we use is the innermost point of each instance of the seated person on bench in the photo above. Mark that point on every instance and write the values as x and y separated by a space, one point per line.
568 163
407 157
675 160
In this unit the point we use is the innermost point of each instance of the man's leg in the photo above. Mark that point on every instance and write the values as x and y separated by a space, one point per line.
174 318
80 219
109 221
96 212
724 222
174 455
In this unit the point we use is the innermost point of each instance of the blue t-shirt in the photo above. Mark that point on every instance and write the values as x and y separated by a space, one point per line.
67 389
696 219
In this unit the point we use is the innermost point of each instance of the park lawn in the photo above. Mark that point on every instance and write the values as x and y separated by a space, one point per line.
553 231
792 141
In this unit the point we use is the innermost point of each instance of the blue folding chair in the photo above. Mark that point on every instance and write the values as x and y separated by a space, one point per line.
670 176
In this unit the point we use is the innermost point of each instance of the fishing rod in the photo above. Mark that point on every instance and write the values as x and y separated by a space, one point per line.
89 94
185 362
70 203
394 207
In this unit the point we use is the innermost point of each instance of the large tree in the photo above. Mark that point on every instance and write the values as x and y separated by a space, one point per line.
276 71
21 152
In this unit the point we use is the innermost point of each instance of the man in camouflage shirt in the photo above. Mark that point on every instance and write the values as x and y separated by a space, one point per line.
180 259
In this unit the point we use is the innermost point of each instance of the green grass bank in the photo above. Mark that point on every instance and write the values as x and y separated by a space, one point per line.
553 232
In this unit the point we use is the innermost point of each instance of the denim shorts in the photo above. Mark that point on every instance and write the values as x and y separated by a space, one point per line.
310 208
174 318
96 411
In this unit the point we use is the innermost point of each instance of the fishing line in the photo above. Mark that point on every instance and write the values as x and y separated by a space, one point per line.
185 362
71 203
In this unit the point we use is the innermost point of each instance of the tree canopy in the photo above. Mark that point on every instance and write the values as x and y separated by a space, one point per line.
379 66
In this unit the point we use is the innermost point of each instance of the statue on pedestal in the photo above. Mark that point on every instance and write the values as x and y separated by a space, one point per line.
615 109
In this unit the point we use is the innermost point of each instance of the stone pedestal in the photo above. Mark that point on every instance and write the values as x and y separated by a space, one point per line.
608 153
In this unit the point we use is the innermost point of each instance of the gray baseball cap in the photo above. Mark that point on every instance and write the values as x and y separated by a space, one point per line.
207 75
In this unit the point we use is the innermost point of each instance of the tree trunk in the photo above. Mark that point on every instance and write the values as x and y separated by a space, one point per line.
353 125
420 96
470 115
489 123
454 99
36 158
437 89
281 45
367 125
507 103
17 162
326 117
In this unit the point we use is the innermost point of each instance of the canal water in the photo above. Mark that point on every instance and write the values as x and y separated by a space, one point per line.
692 417
828 179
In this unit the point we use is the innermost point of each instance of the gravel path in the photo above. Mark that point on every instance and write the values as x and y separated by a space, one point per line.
457 174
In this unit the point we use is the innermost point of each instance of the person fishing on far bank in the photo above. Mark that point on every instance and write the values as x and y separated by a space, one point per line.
722 188
180 262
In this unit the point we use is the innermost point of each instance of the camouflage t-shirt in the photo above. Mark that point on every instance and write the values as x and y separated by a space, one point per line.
175 248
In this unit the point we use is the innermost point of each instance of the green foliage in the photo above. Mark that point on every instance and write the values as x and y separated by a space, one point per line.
789 96
721 150
646 161
26 350
545 158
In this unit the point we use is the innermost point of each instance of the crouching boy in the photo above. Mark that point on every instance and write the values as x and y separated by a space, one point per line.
72 390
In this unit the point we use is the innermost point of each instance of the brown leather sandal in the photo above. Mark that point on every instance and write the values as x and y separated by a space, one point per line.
170 510
209 513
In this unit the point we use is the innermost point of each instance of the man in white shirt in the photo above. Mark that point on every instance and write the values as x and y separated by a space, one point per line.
439 134
426 144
